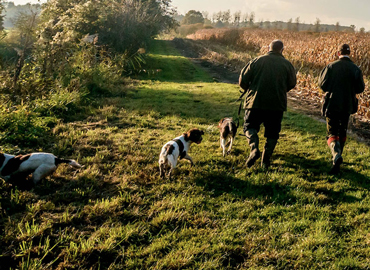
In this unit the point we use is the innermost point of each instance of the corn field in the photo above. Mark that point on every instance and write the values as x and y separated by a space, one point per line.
309 52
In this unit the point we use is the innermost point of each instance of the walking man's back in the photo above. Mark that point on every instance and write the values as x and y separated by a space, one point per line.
266 80
341 80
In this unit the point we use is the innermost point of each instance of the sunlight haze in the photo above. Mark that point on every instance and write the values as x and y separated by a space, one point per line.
347 13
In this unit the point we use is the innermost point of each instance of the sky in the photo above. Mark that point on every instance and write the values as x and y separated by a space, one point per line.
346 12
22 2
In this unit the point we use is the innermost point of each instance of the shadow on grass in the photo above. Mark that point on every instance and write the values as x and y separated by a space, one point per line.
221 183
315 169
271 191
309 169
59 192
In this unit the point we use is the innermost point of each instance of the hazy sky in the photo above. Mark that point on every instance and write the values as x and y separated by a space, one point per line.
22 2
346 12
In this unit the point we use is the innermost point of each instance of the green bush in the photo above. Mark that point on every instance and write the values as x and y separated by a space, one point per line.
60 101
20 125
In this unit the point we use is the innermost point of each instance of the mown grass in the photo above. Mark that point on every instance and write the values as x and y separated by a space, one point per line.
116 213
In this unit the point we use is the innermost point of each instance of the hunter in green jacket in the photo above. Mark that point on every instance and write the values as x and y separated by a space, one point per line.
341 80
266 80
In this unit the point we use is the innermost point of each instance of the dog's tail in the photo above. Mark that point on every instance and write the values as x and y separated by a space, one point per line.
163 156
70 162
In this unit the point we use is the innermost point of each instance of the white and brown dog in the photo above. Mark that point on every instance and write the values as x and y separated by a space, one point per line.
228 130
39 164
178 147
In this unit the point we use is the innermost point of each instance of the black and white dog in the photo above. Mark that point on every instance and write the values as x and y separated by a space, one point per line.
39 164
178 147
228 130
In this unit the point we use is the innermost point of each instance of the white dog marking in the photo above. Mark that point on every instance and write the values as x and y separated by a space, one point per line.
39 164
178 147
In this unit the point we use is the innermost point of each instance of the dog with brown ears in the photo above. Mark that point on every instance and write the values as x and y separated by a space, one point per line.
228 130
178 147
39 165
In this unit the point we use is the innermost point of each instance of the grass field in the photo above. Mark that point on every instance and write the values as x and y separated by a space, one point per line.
115 213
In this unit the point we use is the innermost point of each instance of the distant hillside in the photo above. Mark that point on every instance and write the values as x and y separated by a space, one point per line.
12 11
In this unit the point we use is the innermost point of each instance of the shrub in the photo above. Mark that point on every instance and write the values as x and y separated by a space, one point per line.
22 126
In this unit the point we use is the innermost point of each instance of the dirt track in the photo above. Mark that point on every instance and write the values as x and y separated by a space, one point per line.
358 127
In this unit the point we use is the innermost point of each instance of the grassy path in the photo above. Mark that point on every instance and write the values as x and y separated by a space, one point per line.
116 213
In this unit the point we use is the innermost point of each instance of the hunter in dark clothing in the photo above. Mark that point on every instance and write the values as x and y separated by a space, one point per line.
341 80
266 80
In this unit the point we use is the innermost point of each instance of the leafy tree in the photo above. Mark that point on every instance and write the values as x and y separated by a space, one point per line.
297 22
218 17
245 18
193 17
237 17
26 24
289 24
337 27
317 25
251 19
226 16
1 16
121 25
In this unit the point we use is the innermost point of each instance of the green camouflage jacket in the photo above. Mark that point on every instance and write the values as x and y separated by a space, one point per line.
267 79
342 80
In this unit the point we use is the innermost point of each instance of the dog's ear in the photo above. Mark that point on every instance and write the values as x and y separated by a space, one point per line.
201 132
186 135
221 121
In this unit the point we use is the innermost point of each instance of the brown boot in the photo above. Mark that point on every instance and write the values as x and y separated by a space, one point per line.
267 152
253 141
335 148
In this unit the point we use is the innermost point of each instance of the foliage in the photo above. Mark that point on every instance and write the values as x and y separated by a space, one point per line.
75 48
25 23
122 25
193 17
2 16
22 126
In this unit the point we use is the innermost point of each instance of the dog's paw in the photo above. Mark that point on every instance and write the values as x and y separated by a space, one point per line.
228 152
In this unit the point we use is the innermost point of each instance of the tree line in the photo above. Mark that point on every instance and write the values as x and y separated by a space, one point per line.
238 19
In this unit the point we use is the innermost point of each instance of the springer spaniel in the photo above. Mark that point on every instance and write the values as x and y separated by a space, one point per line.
39 164
228 130
178 147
